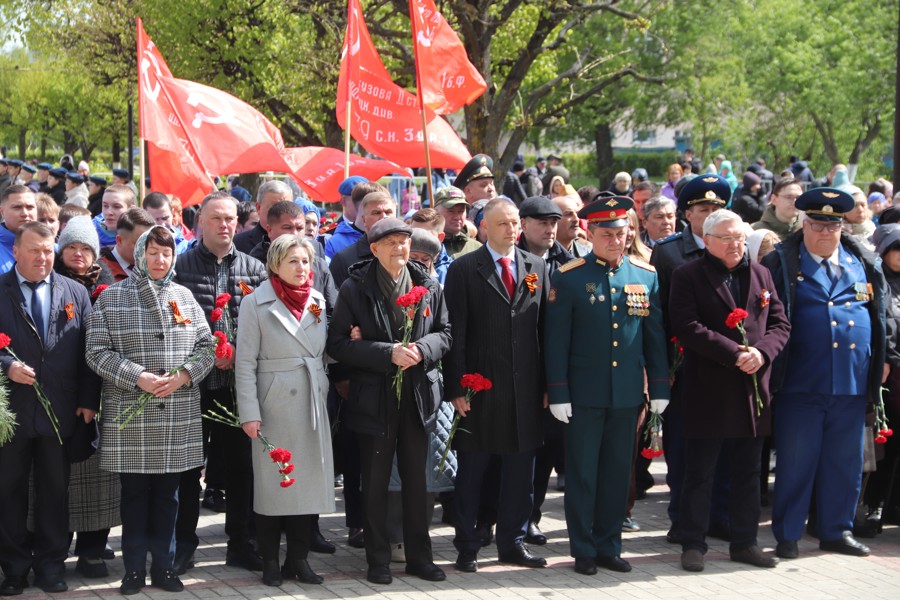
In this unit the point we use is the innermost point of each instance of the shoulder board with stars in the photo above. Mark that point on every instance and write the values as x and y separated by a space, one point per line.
572 264
671 238
642 265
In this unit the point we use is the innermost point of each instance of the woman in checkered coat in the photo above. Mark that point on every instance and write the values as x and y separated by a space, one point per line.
141 330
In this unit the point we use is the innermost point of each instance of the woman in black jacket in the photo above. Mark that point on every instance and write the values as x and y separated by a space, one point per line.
385 422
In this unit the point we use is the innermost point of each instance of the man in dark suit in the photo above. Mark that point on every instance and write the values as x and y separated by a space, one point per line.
723 415
44 315
268 194
496 297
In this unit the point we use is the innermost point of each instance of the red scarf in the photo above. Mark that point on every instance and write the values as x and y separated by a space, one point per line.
293 296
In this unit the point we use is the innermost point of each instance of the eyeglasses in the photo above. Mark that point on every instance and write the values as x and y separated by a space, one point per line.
729 239
820 227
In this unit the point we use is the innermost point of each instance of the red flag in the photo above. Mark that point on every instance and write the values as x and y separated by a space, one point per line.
230 135
447 79
320 171
385 118
174 165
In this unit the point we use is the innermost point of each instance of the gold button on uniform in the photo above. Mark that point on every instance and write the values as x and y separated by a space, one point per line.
830 303
615 307
615 364
850 323
613 290
615 325
834 323
615 344
835 345
846 304
852 346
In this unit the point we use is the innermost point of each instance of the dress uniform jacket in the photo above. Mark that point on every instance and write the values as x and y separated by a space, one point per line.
132 330
855 365
720 401
604 327
668 255
501 340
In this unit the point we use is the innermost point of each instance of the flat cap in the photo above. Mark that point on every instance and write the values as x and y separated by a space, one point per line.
424 241
386 227
539 207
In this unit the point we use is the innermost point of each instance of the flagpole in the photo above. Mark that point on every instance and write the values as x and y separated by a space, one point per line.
144 173
428 180
347 135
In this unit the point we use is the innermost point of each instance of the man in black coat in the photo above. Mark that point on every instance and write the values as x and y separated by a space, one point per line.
268 194
373 207
496 297
44 315
386 421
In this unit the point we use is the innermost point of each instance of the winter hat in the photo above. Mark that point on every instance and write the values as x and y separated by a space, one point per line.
750 179
80 230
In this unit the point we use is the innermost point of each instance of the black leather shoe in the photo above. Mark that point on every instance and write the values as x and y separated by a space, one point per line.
673 537
301 570
467 562
426 571
133 582
246 559
52 584
845 545
614 563
13 585
108 553
520 555
356 538
91 568
183 561
585 566
320 544
380 574
787 549
271 574
754 555
167 581
535 535
214 500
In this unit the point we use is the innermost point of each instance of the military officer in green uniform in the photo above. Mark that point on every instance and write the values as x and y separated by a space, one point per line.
604 327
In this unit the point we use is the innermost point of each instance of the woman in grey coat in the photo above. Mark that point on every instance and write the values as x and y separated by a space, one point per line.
147 334
281 393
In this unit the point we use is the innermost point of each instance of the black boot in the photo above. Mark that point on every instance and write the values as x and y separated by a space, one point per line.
303 572
271 574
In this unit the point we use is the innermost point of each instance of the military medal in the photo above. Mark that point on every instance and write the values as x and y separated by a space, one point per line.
863 291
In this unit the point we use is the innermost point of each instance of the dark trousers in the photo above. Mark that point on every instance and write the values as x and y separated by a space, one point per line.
348 450
673 445
516 497
701 458
405 436
551 454
817 439
48 548
235 447
599 458
297 530
91 544
149 510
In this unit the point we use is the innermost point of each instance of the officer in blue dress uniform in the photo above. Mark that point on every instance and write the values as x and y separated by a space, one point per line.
603 328
834 292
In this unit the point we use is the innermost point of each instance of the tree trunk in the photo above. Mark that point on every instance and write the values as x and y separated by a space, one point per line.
116 151
603 144
23 142
43 148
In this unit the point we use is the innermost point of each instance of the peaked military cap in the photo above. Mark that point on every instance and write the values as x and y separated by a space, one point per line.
704 189
607 212
479 167
825 204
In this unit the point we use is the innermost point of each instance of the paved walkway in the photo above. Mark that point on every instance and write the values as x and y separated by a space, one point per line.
657 572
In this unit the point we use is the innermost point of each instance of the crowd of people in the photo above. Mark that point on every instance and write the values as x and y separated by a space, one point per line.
455 354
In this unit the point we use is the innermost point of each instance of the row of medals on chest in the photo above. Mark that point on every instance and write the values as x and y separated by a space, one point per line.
636 298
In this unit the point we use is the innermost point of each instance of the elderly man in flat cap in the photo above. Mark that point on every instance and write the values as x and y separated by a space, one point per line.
836 361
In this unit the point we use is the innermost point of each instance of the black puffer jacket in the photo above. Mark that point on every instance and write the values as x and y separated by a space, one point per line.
360 303
196 270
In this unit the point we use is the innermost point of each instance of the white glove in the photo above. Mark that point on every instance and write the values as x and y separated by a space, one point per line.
658 406
561 412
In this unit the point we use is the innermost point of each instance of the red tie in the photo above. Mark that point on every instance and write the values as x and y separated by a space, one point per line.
506 276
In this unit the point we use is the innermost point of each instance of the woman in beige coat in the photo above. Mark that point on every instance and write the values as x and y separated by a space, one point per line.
281 392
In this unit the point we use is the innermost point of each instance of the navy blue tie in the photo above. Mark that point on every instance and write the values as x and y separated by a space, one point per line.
37 307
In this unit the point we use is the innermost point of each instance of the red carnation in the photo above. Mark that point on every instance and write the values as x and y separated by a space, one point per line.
287 470
98 290
288 483
476 382
881 440
886 432
647 453
280 455
215 315
736 316
412 297
220 337
4 341
222 350
229 351
222 300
